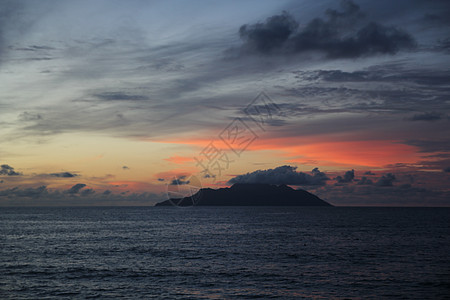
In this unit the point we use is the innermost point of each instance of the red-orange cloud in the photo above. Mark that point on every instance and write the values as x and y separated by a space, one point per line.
325 151
176 159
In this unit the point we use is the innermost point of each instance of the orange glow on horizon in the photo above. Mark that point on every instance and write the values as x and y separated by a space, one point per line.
134 186
371 153
176 159
363 153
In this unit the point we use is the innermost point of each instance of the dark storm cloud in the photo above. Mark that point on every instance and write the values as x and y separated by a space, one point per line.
371 39
8 170
342 34
76 188
265 37
348 177
427 116
349 15
386 180
283 175
63 175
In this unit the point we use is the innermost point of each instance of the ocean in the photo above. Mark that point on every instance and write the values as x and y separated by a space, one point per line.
224 253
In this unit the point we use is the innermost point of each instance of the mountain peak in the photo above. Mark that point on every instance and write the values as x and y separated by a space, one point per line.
250 194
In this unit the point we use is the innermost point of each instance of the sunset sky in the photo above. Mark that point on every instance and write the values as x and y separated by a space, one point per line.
112 102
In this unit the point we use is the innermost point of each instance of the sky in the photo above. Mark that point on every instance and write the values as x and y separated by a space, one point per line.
125 102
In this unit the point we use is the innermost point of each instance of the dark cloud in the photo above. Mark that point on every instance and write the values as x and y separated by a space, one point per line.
35 48
370 195
32 192
119 96
87 192
435 162
265 37
348 177
409 177
405 186
36 53
42 196
16 19
369 173
364 181
386 180
27 116
8 11
390 93
349 15
125 168
339 35
64 175
430 145
76 188
8 170
161 179
380 73
427 116
438 19
179 181
27 192
283 175
443 45
447 169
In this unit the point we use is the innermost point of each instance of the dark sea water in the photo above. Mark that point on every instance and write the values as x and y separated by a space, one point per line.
224 252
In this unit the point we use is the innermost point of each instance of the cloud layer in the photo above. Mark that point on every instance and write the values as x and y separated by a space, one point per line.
283 175
362 85
8 170
342 34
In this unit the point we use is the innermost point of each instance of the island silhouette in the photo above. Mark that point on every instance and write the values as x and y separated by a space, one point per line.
248 194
